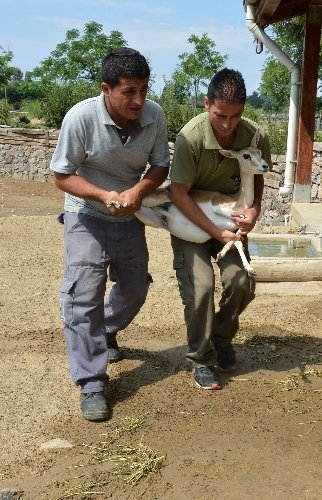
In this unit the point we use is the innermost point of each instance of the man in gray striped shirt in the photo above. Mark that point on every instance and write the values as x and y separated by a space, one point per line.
104 147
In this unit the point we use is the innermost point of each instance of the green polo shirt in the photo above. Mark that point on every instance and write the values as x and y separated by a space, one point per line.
197 160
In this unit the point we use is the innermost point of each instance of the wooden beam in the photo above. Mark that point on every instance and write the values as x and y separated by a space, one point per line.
310 67
286 9
278 269
268 7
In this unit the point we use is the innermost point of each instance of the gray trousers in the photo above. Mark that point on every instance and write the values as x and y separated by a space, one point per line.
196 280
94 246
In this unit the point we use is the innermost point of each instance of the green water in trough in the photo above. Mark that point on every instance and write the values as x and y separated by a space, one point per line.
288 248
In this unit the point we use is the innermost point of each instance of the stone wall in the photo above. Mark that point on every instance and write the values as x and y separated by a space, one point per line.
26 153
274 206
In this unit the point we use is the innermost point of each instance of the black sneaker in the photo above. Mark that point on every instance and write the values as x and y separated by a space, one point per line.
113 352
206 378
94 406
226 358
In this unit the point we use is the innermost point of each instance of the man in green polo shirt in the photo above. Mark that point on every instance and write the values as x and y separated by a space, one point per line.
197 163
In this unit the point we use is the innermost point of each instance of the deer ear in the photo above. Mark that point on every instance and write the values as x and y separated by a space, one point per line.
255 139
226 153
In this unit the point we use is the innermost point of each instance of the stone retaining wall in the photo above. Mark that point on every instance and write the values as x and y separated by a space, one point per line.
26 153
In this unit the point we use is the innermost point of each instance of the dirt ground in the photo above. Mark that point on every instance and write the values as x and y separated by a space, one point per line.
258 438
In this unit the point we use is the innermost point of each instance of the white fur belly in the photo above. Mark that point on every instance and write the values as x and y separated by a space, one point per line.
168 217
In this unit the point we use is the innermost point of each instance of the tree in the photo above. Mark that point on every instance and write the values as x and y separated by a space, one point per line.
7 72
200 65
180 86
276 78
255 100
275 87
176 110
17 92
78 58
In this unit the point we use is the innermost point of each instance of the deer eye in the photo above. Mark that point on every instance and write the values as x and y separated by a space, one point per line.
246 156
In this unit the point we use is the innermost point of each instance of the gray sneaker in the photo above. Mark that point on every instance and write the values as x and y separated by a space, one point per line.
113 352
94 406
206 378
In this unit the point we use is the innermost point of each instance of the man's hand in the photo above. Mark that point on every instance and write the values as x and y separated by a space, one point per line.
227 236
114 202
131 200
245 219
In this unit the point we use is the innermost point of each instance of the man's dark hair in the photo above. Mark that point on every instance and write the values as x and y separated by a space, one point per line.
227 86
124 63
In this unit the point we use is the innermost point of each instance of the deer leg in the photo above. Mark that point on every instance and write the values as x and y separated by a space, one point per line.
224 250
246 264
240 248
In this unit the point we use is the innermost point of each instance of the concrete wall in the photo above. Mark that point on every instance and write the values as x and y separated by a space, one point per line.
26 153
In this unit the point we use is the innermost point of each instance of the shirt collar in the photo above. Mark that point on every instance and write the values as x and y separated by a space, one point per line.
210 138
212 143
145 118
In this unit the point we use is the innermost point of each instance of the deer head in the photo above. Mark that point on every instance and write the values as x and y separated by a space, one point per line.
250 158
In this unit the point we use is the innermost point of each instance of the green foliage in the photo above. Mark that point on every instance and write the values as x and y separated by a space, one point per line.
23 121
277 134
275 89
289 35
79 58
252 113
275 84
318 136
176 112
255 100
22 91
7 72
32 108
58 99
181 86
200 65
5 109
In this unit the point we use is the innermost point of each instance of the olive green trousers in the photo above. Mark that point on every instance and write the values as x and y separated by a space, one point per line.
206 328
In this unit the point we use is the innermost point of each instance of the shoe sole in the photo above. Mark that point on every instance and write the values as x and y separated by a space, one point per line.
115 360
96 417
213 387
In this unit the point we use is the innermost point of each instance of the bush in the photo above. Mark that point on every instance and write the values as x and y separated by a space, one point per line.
23 121
5 109
58 99
277 134
32 108
177 114
21 91
252 113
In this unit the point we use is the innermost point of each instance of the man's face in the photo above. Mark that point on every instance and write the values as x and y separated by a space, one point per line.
224 118
125 101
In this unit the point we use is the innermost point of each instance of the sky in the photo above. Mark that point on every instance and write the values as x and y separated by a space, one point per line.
159 29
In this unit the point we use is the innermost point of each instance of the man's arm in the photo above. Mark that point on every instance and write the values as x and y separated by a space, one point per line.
132 198
78 186
183 201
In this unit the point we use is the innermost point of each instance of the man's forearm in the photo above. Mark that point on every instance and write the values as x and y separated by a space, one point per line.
153 178
78 186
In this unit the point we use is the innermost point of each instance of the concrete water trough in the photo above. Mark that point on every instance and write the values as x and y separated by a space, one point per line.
285 257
